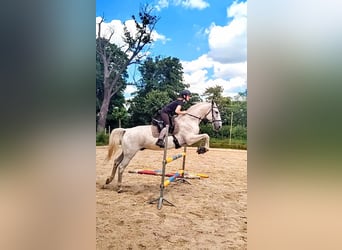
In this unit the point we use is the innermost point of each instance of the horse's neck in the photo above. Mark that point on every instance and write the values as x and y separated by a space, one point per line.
199 110
196 111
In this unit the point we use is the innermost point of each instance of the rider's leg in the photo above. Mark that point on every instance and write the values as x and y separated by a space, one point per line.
165 118
162 134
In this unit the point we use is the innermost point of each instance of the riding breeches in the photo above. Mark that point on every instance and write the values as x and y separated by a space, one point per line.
166 119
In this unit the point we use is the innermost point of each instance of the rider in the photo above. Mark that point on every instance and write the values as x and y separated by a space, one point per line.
171 109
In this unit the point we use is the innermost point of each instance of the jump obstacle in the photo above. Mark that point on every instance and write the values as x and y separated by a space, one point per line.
158 172
179 174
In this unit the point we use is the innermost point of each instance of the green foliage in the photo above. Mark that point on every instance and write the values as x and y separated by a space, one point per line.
143 108
207 128
161 82
239 132
137 111
163 74
223 103
239 110
236 109
224 143
118 116
155 100
102 139
214 93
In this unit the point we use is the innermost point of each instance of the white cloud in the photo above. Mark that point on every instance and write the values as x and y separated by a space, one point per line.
116 26
129 90
229 43
226 62
232 77
237 10
195 4
197 80
189 4
162 4
159 37
204 72
230 70
200 63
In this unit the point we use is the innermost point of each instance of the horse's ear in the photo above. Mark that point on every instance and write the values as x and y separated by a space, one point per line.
212 102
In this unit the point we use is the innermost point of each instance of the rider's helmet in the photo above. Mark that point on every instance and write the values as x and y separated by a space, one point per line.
185 93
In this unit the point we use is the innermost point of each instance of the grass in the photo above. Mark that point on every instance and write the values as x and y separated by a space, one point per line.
224 143
102 140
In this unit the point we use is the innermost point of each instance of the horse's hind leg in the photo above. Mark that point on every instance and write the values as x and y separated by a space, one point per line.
117 161
122 167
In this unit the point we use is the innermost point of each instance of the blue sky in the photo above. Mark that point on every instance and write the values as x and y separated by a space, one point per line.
209 38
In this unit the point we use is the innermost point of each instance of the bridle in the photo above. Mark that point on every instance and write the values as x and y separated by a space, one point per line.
212 114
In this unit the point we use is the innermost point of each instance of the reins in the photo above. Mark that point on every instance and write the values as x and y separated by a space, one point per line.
199 118
212 114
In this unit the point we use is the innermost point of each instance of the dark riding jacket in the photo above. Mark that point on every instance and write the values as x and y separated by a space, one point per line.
169 110
171 107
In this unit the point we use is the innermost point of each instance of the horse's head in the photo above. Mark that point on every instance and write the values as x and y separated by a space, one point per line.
214 116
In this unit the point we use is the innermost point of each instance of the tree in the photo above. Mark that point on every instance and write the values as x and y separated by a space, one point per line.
162 80
236 109
143 108
213 93
115 60
164 74
239 108
223 103
118 98
119 114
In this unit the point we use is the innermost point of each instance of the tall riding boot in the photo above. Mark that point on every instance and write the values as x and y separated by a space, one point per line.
160 141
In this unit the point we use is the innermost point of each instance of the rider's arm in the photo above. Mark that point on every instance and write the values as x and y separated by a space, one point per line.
178 110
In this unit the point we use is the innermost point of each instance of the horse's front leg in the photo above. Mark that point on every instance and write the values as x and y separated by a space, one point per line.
191 139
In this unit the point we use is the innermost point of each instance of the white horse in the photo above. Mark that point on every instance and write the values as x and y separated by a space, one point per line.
141 137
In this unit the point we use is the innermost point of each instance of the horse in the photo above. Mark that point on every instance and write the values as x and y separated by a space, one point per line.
141 137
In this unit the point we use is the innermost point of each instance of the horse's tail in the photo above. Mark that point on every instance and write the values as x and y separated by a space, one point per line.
115 140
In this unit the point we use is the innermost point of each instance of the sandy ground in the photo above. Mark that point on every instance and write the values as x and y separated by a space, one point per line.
211 213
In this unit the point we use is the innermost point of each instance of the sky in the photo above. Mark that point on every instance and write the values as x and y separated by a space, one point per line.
208 36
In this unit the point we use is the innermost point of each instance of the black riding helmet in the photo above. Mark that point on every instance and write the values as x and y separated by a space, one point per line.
184 93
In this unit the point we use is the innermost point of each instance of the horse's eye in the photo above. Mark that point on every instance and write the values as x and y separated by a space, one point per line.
216 112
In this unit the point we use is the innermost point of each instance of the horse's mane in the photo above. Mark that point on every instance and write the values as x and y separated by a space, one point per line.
196 105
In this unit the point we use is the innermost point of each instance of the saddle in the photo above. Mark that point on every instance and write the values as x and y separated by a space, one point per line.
157 125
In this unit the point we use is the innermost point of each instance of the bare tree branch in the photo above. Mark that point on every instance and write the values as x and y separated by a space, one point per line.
115 64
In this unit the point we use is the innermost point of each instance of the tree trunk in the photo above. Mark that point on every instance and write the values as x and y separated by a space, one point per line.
103 112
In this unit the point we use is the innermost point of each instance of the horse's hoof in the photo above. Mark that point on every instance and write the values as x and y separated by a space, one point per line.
120 191
108 181
202 150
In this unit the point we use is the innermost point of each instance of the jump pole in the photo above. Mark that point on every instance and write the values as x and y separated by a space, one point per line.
164 183
161 198
157 172
182 178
